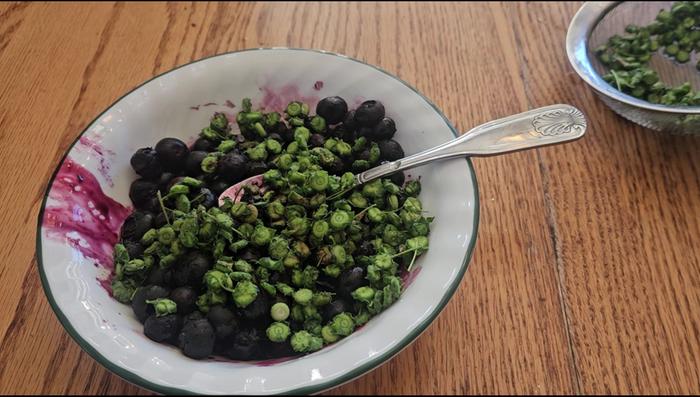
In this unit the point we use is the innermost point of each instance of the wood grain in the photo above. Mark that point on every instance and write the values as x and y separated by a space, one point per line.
586 273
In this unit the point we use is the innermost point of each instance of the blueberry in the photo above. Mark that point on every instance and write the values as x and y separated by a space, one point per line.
133 248
369 113
390 150
141 191
185 298
250 255
338 166
384 130
196 339
224 322
350 280
278 350
193 164
143 294
257 168
208 199
204 145
334 308
245 344
163 328
232 167
275 136
218 186
164 181
161 277
191 269
194 316
173 182
332 109
398 178
350 136
364 155
160 220
317 140
145 162
172 153
135 225
258 309
349 123
367 132
366 248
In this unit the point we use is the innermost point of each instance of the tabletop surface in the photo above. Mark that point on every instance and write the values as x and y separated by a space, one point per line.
586 274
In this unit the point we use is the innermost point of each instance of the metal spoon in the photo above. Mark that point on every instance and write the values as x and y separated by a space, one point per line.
544 126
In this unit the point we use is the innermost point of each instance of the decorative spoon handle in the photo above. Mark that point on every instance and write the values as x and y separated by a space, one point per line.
549 125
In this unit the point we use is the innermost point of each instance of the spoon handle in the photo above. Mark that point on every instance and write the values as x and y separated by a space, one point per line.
548 125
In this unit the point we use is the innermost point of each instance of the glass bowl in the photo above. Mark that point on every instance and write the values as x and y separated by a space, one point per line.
592 25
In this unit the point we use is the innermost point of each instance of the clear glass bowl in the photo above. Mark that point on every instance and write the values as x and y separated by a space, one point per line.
592 25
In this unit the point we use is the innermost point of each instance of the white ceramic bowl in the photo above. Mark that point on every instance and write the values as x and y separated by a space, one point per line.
77 225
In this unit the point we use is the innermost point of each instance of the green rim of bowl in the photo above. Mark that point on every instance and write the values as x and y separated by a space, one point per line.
316 388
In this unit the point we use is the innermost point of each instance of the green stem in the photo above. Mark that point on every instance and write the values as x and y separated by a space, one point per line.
162 207
413 260
364 210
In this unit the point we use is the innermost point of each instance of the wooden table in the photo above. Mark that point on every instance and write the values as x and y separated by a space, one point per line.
586 276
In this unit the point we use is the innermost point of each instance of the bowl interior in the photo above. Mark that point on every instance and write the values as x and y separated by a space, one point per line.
642 13
78 224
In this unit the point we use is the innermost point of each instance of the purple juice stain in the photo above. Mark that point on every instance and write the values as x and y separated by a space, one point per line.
277 99
318 85
229 104
93 145
407 278
82 215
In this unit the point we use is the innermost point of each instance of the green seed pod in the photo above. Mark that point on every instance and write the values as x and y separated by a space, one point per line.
332 271
330 144
273 146
321 298
210 134
360 166
279 311
167 261
304 342
302 135
363 294
238 245
257 153
374 189
300 249
149 237
412 188
320 229
163 307
318 124
226 146
278 332
182 203
328 335
293 148
340 219
382 261
271 120
303 296
219 122
244 294
374 153
298 227
178 189
291 262
278 248
209 164
357 200
318 181
294 109
338 254
342 324
284 161
359 145
392 202
261 236
375 215
342 149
